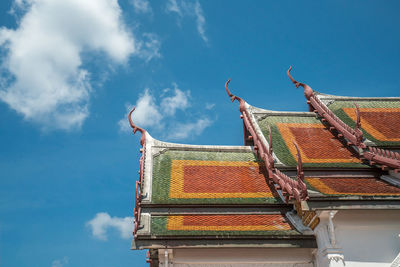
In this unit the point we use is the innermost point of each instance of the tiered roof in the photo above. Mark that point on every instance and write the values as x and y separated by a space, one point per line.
219 193
270 191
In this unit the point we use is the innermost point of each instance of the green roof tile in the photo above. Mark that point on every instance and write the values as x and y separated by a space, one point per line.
282 151
207 177
221 225
381 106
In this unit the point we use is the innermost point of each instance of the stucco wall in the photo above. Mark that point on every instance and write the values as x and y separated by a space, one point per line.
368 238
240 257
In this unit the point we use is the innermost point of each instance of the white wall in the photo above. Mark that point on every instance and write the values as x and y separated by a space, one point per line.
368 238
240 257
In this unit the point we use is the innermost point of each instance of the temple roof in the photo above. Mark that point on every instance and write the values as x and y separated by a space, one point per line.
221 230
293 165
218 192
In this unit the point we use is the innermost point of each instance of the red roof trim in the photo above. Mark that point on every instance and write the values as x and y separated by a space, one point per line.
290 187
139 184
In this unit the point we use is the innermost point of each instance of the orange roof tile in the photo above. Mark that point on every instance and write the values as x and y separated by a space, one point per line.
265 222
353 186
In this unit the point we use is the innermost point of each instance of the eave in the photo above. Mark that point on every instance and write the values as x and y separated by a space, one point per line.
300 241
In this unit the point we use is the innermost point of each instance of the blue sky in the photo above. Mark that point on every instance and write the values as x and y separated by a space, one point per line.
70 69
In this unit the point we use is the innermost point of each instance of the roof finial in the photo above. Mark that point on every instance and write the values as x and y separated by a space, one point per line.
300 173
308 91
232 96
358 122
270 140
242 105
357 128
270 152
136 128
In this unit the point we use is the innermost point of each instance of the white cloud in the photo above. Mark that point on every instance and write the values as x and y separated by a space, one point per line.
60 262
103 221
123 123
146 113
149 47
172 6
190 9
180 100
142 6
185 130
200 21
209 106
42 73
161 117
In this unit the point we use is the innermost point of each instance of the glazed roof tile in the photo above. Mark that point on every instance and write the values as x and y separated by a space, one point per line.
216 230
351 187
318 147
381 123
222 225
178 180
210 177
380 116
185 174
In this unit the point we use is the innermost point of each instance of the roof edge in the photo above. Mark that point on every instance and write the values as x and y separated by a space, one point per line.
290 188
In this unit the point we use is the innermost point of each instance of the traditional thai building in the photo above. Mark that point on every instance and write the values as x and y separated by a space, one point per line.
316 188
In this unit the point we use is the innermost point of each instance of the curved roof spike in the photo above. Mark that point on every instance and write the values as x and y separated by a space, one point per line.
308 91
296 83
300 173
232 96
358 122
357 128
270 140
136 128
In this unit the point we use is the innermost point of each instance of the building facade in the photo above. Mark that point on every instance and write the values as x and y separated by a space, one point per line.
317 188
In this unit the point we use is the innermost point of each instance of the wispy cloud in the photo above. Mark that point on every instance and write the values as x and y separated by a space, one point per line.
185 130
180 100
146 113
60 262
209 106
149 47
141 6
43 73
103 222
172 6
200 21
190 9
161 117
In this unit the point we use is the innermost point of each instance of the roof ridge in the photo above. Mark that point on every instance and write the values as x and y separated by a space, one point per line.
338 97
257 110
